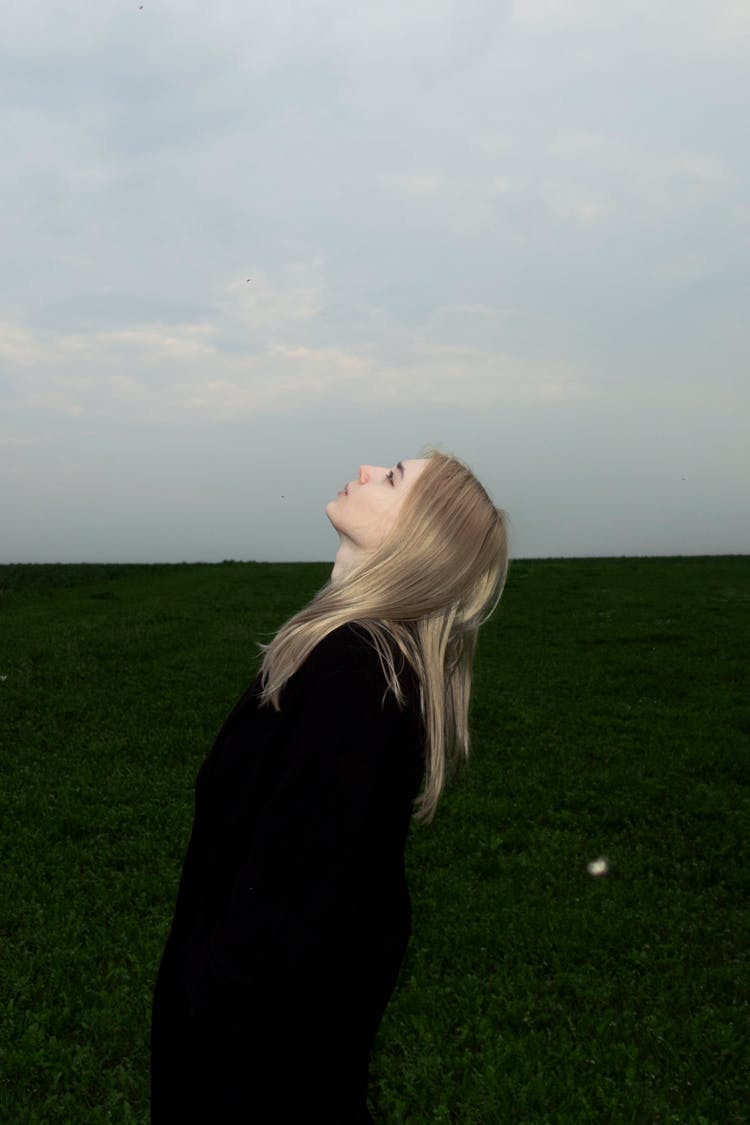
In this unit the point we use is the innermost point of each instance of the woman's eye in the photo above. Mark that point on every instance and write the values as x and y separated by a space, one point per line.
389 477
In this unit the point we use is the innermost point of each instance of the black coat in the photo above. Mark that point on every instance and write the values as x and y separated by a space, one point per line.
293 914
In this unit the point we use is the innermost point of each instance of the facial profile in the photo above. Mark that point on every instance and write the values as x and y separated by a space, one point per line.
367 507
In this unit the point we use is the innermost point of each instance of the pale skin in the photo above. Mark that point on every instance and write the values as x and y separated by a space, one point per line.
365 511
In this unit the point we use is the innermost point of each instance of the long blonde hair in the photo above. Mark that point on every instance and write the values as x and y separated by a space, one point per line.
435 579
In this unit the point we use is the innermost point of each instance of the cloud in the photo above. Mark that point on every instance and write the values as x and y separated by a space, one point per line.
732 17
697 29
478 215
660 177
546 15
424 186
574 204
264 309
15 439
171 371
250 43
20 346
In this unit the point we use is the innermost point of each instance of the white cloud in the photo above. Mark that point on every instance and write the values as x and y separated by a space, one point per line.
182 370
499 185
264 309
574 204
694 25
654 178
15 439
732 17
546 15
20 346
420 186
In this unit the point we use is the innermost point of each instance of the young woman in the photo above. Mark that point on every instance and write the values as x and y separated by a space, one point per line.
293 915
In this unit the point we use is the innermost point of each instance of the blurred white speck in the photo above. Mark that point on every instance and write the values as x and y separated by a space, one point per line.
598 866
3 677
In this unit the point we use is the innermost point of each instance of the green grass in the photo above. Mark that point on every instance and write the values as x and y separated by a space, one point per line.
611 716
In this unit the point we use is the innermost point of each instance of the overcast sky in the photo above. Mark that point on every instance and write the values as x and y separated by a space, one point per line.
247 246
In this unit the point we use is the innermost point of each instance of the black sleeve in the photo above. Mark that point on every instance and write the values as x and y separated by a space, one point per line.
328 845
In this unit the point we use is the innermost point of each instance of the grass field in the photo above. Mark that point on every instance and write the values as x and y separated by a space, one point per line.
611 717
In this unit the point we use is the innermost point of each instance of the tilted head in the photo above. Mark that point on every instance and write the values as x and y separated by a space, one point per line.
447 548
365 511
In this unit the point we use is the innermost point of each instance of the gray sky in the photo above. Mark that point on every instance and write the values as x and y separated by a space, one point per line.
519 231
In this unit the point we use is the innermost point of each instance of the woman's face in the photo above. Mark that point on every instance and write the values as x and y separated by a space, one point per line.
367 508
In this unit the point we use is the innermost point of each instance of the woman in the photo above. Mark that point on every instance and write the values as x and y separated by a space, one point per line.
293 915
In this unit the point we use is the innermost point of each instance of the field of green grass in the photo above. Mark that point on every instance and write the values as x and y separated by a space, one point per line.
611 718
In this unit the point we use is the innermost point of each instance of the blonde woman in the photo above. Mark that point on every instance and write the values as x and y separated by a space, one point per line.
293 914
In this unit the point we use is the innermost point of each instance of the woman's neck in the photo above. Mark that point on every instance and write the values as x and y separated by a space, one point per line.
347 557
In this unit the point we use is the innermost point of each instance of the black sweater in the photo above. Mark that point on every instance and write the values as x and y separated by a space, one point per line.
293 914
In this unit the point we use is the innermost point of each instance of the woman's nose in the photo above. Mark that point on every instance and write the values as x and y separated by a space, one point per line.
364 474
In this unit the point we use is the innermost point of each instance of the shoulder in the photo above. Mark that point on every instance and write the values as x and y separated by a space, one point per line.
346 660
346 651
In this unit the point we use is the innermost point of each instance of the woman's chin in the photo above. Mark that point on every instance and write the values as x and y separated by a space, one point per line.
331 508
